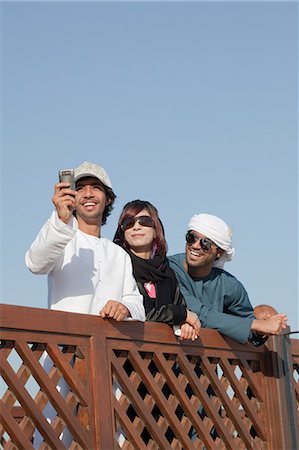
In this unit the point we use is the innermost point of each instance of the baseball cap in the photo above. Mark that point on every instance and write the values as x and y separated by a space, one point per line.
89 169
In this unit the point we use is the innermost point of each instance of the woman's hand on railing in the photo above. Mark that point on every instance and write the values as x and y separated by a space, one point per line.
187 332
193 320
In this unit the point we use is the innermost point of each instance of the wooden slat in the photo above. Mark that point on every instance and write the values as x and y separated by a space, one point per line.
231 411
128 426
28 404
202 394
138 403
251 379
64 410
228 370
69 374
23 374
41 400
12 428
168 411
160 400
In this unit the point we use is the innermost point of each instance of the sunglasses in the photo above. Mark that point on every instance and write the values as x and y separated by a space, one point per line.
205 243
145 221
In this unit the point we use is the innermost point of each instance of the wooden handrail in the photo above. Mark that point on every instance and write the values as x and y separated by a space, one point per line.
134 385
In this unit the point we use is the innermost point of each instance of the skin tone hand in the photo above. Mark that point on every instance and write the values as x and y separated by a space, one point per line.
193 320
273 325
187 332
115 310
64 201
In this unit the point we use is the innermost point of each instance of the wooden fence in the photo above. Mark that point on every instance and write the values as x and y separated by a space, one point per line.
81 382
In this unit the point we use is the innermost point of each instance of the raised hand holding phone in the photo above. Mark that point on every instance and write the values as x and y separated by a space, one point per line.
64 195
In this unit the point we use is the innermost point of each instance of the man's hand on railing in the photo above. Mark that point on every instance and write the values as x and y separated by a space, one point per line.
115 310
273 325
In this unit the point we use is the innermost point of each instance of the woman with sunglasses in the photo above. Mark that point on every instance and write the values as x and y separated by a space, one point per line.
140 232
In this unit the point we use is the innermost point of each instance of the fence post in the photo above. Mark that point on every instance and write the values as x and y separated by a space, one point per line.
290 391
283 412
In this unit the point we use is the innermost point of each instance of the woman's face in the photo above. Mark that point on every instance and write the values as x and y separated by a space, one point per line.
139 237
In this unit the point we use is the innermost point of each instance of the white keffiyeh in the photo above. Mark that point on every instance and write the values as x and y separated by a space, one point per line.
218 231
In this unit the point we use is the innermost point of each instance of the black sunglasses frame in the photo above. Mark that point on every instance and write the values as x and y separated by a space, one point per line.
145 221
205 243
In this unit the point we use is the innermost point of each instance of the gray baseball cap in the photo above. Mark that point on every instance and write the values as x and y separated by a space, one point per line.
89 169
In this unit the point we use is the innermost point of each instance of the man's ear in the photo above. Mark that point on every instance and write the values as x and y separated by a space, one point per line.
219 253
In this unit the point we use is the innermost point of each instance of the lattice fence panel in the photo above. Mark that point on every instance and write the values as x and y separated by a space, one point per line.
183 401
43 395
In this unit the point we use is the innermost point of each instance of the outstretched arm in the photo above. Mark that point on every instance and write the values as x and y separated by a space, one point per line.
56 232
234 326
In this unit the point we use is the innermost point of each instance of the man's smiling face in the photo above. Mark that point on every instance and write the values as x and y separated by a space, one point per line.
91 200
200 260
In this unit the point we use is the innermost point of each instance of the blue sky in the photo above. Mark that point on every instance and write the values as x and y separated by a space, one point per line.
192 106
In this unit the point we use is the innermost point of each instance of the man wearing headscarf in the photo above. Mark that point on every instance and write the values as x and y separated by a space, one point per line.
219 299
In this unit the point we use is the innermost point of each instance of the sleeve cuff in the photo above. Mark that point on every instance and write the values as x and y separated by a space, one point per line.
69 228
256 339
179 314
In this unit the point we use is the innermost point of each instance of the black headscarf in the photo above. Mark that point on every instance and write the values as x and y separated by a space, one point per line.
155 269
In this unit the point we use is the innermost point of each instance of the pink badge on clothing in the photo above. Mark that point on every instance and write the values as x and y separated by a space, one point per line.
150 289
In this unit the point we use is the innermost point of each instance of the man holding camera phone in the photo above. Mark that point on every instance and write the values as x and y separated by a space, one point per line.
86 273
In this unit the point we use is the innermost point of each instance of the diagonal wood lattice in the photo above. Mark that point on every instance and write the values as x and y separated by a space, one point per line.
81 382
188 400
61 396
